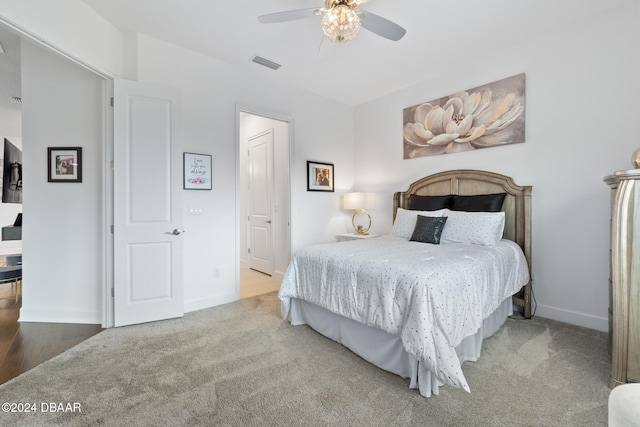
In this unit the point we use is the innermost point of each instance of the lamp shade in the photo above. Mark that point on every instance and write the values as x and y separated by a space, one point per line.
358 200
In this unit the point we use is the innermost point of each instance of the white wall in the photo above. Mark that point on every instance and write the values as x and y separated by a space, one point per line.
211 90
63 109
70 26
251 125
581 112
62 232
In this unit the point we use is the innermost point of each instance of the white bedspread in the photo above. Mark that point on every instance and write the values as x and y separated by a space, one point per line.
431 296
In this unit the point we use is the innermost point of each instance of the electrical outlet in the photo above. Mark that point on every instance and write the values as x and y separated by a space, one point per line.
216 272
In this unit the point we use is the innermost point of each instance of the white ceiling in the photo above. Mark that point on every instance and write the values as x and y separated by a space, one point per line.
441 35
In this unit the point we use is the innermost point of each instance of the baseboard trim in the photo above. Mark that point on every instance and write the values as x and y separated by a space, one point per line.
573 317
56 316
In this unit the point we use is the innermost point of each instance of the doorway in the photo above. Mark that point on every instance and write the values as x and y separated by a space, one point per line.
33 340
264 151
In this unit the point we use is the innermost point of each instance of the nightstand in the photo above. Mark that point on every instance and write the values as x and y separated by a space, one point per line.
351 236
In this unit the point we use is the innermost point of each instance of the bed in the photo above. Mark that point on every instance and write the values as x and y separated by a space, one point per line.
398 303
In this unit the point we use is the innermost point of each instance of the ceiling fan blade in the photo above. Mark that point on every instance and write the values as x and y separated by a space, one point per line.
326 48
288 15
382 26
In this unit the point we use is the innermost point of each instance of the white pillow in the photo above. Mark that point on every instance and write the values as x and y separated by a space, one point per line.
478 228
405 221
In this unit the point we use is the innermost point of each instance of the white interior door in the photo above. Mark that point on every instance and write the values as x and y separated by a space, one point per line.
148 246
261 202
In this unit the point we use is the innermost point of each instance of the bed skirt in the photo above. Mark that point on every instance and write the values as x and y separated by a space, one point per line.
385 350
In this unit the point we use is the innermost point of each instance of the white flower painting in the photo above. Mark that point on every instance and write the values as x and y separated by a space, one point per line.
486 116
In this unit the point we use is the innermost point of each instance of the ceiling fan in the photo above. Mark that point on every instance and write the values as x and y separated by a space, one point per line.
341 20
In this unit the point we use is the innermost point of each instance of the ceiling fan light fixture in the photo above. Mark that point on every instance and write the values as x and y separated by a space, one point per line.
340 23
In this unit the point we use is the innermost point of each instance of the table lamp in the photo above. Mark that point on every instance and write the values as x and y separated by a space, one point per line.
359 203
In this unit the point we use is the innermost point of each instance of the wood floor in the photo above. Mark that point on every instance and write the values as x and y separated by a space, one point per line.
24 346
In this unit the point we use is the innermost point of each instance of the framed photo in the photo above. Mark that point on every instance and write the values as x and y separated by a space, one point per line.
197 171
319 176
65 164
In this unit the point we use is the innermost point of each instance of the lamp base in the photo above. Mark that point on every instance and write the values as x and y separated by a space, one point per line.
360 229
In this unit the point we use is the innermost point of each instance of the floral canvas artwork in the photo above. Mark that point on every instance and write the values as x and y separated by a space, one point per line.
486 116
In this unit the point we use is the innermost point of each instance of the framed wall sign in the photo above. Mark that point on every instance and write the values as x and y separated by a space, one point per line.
319 176
197 171
65 164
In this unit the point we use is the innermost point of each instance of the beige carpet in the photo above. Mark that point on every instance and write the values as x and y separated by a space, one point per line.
242 365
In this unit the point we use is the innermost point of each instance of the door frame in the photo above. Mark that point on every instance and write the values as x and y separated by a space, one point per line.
269 114
106 276
107 218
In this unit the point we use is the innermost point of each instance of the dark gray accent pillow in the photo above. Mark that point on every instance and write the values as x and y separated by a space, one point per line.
428 229
479 203
428 203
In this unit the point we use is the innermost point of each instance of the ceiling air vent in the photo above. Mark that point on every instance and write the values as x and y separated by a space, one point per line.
269 64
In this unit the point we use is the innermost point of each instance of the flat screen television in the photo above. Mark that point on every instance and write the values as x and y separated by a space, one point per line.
12 174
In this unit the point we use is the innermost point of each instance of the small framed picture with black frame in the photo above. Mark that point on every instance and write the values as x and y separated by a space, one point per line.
319 176
65 164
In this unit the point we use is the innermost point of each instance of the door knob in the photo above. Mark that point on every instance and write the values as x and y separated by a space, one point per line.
176 232
268 221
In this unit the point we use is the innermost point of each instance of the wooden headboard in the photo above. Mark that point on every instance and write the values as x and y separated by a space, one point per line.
466 182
